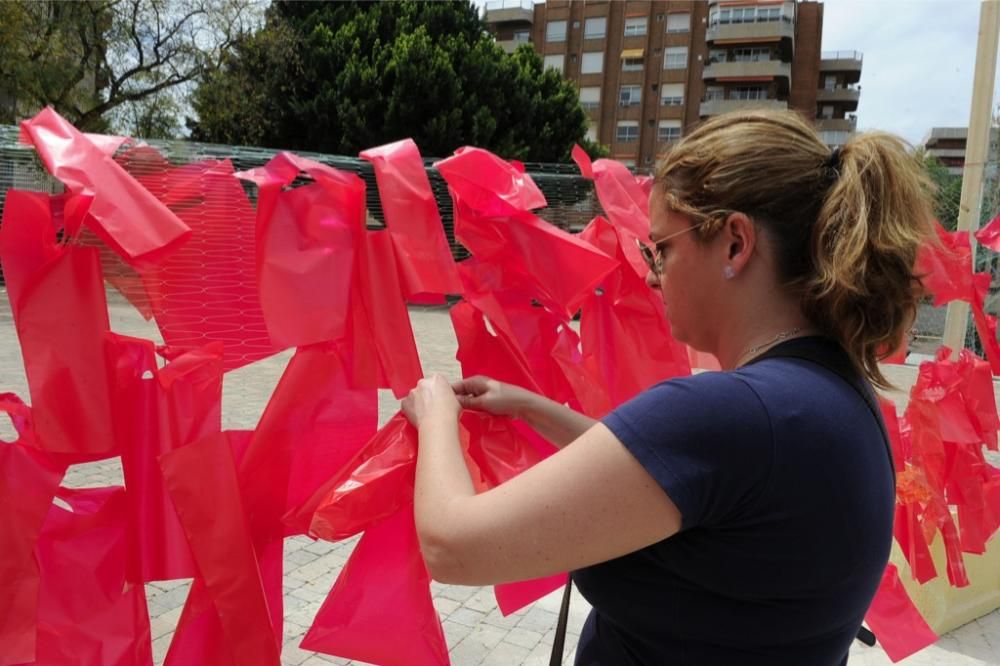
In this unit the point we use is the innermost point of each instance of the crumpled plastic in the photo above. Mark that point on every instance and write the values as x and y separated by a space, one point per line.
558 269
426 266
28 482
897 624
377 482
157 411
497 451
202 482
51 285
123 213
624 327
990 234
946 270
625 200
384 586
88 613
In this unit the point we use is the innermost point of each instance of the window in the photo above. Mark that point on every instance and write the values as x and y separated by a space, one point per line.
833 137
756 54
629 96
592 134
635 27
555 31
716 55
632 64
595 28
670 130
826 111
590 97
830 82
748 93
675 57
678 22
592 63
522 36
554 62
627 130
714 93
746 15
672 94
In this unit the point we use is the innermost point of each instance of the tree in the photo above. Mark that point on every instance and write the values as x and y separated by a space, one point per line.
90 59
343 76
948 191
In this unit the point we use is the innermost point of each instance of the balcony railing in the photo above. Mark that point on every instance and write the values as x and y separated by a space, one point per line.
747 69
850 94
841 55
713 106
497 5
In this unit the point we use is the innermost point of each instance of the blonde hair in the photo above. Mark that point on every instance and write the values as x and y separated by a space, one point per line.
846 225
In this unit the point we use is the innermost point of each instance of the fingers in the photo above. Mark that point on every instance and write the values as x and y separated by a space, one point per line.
475 385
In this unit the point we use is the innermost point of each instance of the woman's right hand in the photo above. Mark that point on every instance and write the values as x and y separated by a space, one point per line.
489 395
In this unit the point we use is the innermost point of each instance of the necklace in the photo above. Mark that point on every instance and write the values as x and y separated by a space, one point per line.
782 335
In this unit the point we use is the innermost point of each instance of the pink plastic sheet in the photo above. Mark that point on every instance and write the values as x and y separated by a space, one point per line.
489 185
307 242
383 585
895 621
314 423
426 266
202 482
158 411
990 234
624 328
88 613
65 365
123 213
377 482
28 482
499 452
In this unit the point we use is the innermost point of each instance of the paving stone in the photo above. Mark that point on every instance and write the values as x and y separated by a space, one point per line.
525 638
506 654
467 616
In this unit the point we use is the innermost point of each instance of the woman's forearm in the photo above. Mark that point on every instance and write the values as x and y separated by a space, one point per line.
555 422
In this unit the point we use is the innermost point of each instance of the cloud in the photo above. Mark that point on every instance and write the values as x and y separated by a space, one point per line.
919 58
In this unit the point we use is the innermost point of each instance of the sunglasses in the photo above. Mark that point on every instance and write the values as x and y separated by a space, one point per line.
654 257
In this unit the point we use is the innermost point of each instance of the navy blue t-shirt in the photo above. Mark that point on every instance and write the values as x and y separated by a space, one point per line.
785 489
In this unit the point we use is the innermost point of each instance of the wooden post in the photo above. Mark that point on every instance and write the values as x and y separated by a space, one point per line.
976 152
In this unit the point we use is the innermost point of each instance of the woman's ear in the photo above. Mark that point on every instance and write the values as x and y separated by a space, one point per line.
740 236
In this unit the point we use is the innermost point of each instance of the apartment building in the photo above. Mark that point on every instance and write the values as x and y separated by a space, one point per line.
648 70
948 145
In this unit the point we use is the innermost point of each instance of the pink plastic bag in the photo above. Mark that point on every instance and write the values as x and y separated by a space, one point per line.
88 613
895 621
383 587
28 482
158 411
123 213
202 482
426 266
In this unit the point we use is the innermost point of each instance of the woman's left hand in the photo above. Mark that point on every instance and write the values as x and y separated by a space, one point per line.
432 397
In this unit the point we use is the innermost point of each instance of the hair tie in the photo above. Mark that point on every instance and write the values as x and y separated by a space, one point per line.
833 161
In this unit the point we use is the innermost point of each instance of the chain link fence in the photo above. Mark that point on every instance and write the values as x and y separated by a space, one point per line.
571 198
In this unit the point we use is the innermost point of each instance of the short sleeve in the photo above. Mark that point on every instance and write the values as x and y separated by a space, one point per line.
705 439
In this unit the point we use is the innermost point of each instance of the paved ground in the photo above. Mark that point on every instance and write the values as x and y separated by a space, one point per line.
476 631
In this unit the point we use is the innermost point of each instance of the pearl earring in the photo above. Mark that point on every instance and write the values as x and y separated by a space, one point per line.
728 272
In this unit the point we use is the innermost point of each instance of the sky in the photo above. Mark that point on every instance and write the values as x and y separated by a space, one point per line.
919 59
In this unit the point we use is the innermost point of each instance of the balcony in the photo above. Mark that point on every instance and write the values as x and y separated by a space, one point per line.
510 45
747 69
510 11
840 95
736 33
847 62
714 107
848 124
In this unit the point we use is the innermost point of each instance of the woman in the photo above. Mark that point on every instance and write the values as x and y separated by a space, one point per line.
733 517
